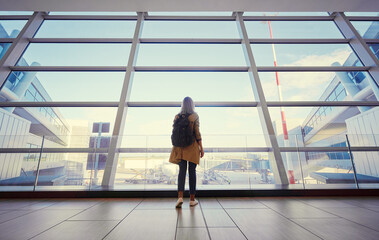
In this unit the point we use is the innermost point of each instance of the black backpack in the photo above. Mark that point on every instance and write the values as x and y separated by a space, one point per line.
182 135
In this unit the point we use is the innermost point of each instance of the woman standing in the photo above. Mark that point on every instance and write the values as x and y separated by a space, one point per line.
189 155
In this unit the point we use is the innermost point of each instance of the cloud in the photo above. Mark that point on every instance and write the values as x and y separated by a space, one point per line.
300 86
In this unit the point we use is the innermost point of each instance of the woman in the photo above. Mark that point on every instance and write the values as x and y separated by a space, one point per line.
189 155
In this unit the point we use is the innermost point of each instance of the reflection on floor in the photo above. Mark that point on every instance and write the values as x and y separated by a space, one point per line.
214 218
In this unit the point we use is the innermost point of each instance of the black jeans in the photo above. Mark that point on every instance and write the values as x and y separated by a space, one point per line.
191 175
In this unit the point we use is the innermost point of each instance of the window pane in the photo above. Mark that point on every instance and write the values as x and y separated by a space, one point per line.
54 86
190 55
331 86
367 29
86 29
92 13
220 127
76 54
68 122
305 55
286 14
293 29
11 28
226 86
3 48
326 125
375 49
190 29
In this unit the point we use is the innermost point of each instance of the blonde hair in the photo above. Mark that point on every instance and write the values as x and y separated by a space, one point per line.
188 107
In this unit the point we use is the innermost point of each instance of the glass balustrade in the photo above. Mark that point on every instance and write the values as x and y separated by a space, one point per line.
231 162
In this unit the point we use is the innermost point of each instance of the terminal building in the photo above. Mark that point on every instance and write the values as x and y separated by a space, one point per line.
30 127
331 126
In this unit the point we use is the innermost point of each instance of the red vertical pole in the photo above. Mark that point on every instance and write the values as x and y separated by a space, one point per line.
291 176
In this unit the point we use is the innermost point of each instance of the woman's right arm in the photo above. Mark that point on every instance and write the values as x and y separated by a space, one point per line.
198 136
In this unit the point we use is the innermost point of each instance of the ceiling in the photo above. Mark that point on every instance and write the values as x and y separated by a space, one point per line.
190 5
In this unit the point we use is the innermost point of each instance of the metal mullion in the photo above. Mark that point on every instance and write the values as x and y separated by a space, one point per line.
361 49
68 68
275 157
112 159
198 104
321 103
363 18
329 149
371 41
18 46
312 69
287 18
58 104
80 40
90 17
7 40
167 150
298 41
15 17
190 18
190 41
190 69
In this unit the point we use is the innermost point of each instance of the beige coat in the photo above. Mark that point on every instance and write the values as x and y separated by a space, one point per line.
192 152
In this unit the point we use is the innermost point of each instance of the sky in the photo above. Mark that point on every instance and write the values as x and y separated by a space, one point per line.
239 122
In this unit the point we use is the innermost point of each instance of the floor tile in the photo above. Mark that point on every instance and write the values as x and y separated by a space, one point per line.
190 218
13 214
192 234
295 209
362 216
240 203
150 224
34 223
325 202
226 234
337 229
365 202
217 218
114 210
208 203
16 204
70 230
266 224
74 204
161 203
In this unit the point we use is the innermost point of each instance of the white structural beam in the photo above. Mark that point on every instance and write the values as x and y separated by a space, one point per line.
275 157
358 44
19 45
118 129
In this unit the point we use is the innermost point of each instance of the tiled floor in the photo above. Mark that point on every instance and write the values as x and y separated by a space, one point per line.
214 218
